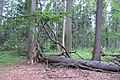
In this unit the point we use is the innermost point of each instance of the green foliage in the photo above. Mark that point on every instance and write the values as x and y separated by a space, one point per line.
14 29
15 37
48 6
86 53
8 57
50 16
116 9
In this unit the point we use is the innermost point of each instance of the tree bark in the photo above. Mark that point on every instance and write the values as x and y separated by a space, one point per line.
89 40
107 38
116 39
67 27
97 43
56 27
56 35
64 24
113 55
31 40
68 31
1 7
83 36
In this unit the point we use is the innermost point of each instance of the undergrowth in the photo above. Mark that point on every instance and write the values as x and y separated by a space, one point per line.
8 57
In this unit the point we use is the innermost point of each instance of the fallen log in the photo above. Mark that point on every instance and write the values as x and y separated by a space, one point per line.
104 54
86 64
113 55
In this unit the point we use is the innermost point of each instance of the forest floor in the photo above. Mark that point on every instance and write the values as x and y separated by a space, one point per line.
23 71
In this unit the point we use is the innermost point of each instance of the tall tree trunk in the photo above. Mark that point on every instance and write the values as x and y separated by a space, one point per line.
83 37
68 27
89 40
1 7
1 10
56 27
116 31
31 40
64 24
56 35
97 43
107 42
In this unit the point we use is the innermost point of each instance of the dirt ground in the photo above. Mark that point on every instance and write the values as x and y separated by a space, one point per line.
23 71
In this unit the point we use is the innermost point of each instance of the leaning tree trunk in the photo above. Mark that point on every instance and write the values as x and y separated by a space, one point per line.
97 43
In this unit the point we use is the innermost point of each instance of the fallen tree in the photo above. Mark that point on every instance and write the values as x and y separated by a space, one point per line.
85 64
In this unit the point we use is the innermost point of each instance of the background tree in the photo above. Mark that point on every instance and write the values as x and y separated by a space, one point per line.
67 27
32 55
97 44
16 18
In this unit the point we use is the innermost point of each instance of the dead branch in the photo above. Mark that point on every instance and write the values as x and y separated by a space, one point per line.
56 42
63 54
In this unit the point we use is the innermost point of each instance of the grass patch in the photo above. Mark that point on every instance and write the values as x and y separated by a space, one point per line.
86 54
83 53
8 57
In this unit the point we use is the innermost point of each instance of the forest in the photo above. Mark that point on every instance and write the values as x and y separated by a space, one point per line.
72 34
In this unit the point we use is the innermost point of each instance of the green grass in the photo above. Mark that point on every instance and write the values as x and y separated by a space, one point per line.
86 54
8 57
